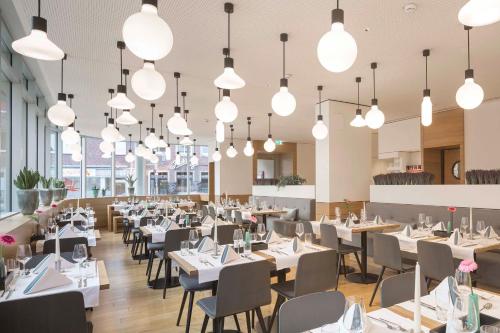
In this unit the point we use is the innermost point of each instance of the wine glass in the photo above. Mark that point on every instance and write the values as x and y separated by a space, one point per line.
428 222
193 237
51 224
354 318
261 230
150 222
465 315
421 221
464 226
337 213
237 239
299 229
463 282
80 255
481 227
23 255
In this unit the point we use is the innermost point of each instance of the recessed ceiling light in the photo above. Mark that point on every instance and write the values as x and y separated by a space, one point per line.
410 8
366 29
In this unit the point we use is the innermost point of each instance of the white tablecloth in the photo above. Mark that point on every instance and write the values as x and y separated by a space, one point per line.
342 232
157 233
284 255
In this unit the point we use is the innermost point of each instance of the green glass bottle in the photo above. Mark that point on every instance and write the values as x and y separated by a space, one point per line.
449 228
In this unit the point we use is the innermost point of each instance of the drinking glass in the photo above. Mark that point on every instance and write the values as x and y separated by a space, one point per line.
12 265
362 215
247 248
428 222
442 305
184 248
463 282
481 228
80 255
299 230
150 222
337 213
261 230
193 237
308 238
464 317
464 226
421 221
237 239
23 255
90 267
354 319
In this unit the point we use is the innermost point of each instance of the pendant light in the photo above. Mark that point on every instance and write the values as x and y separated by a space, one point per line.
186 141
375 118
148 153
269 145
426 106
177 124
283 102
219 127
154 158
126 117
248 150
151 140
37 45
194 159
105 146
69 135
106 155
358 120
161 141
61 114
225 110
231 152
178 154
477 13
130 157
121 101
148 83
75 147
147 35
76 157
110 133
470 95
216 156
140 149
229 79
319 131
337 49
168 149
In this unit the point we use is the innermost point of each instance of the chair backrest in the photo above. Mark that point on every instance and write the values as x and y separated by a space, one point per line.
284 228
316 271
144 220
173 239
225 233
311 311
436 260
386 251
204 211
329 237
62 312
400 288
65 244
243 287
211 212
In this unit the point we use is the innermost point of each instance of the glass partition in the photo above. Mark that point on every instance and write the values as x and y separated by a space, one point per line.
5 137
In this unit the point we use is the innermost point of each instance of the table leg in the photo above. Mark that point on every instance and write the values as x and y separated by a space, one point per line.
264 221
363 277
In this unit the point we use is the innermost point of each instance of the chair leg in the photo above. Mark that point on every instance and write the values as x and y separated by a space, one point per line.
249 324
261 320
236 321
140 250
357 259
205 323
190 310
167 269
428 280
253 318
158 273
343 265
184 296
280 300
151 267
338 270
378 283
150 262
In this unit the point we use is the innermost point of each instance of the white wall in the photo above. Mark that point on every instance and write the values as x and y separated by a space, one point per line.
306 162
482 136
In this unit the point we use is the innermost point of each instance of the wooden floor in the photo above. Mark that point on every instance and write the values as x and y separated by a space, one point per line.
130 306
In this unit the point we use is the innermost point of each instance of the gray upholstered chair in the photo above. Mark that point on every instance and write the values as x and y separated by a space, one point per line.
284 228
65 244
241 288
400 288
212 212
387 254
321 265
436 260
204 211
329 238
311 311
55 313
224 233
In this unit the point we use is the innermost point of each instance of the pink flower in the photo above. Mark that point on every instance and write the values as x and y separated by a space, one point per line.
7 239
467 266
53 205
452 209
253 219
39 211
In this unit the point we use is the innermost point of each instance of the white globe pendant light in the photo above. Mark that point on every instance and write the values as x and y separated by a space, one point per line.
147 83
151 139
194 159
186 141
61 114
283 102
219 131
375 118
75 147
37 45
478 13
337 49
229 79
426 106
177 124
269 145
216 156
319 130
76 156
168 152
358 120
248 150
154 158
110 133
147 35
70 136
470 95
106 147
148 154
130 157
106 155
126 118
140 149
225 110
231 152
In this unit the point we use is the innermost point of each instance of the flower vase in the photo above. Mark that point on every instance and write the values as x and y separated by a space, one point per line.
474 303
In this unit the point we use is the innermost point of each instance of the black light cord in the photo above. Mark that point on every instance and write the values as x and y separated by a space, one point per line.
358 92
62 75
337 4
177 90
249 122
468 48
39 8
228 34
426 73
319 94
374 83
140 130
161 124
284 59
152 119
269 115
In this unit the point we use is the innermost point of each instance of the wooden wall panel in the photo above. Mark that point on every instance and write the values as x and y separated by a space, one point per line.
447 130
285 148
450 157
432 163
328 209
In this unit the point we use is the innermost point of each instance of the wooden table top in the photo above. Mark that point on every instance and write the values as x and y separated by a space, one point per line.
103 275
267 212
477 249
375 227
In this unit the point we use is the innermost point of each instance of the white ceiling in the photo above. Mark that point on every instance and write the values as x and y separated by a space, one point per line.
87 30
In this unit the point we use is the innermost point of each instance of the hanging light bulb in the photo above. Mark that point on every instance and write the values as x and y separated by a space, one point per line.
225 110
168 152
219 131
61 114
426 106
75 147
269 145
216 156
283 103
154 158
375 118
106 147
147 35
186 141
130 157
177 124
110 133
477 13
319 130
126 118
470 95
106 155
358 120
248 150
194 159
148 154
151 140
337 49
231 152
37 45
147 83
161 141
76 156
229 79
69 135
121 101
140 149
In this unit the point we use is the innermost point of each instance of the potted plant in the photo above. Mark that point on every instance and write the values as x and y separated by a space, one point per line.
58 190
290 180
103 191
27 195
95 191
131 181
45 192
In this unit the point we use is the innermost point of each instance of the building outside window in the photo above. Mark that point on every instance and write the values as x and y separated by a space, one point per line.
97 169
71 173
5 137
53 143
122 168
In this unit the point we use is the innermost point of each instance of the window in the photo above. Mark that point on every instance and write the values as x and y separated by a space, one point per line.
71 173
199 173
97 169
122 168
5 153
53 143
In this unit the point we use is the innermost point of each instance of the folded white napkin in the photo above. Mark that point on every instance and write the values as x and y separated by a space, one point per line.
148 213
378 220
68 233
208 220
354 217
228 255
171 226
439 226
407 231
297 245
455 238
490 232
207 244
348 223
447 290
78 217
272 237
47 279
49 261
80 210
324 219
353 316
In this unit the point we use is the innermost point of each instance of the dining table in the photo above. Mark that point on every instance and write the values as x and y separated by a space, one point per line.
264 213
